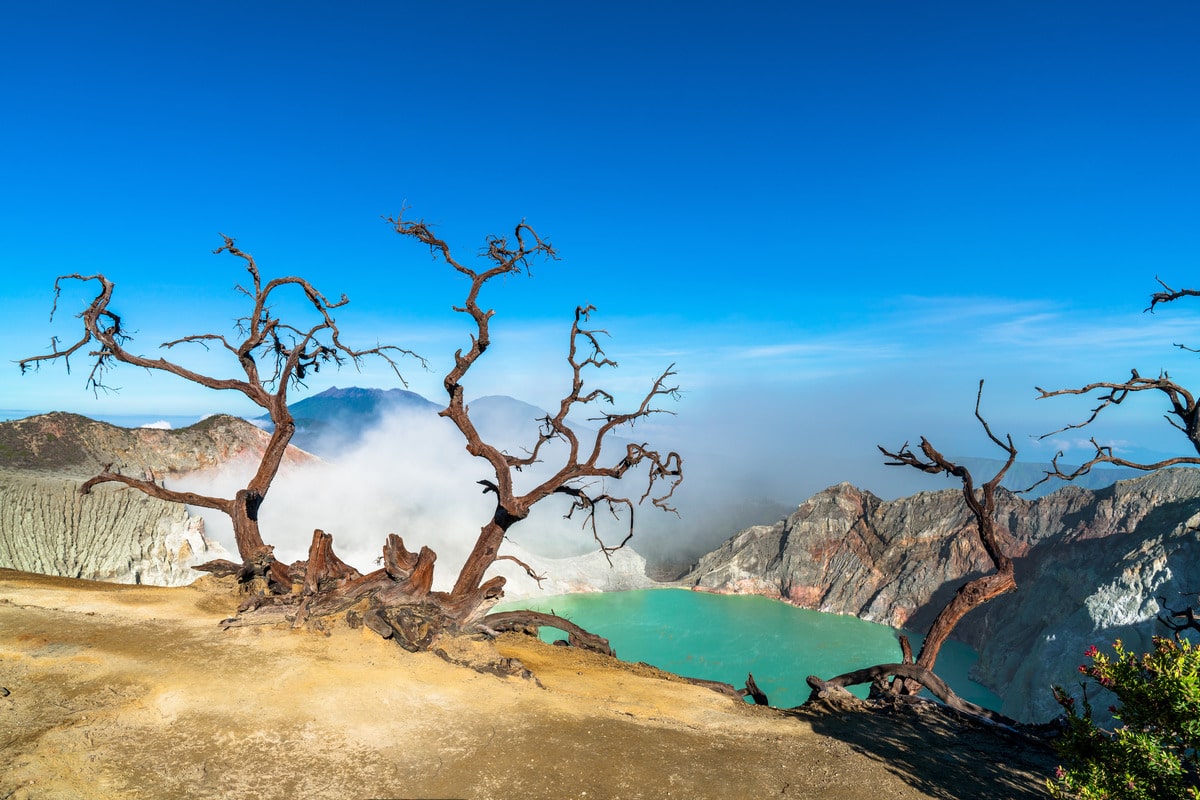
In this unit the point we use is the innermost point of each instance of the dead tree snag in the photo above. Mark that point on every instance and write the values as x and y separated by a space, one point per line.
982 504
1183 415
398 600
578 469
272 355
909 673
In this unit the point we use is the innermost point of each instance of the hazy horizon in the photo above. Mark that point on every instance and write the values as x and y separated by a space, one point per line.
742 475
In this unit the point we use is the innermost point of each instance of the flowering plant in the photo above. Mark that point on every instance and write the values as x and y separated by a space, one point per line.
1152 755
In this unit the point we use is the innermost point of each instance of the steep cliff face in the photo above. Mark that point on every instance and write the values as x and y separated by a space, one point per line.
114 533
1089 565
1074 594
848 552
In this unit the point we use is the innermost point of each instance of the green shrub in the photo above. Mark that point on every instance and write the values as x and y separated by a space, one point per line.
1152 754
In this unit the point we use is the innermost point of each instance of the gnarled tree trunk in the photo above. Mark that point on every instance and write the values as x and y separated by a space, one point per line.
909 677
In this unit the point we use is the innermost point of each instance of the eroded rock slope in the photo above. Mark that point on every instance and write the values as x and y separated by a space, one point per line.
114 533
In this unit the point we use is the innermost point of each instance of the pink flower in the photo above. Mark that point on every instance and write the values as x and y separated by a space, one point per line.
1092 651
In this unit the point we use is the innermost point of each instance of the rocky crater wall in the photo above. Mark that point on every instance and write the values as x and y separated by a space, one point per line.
112 534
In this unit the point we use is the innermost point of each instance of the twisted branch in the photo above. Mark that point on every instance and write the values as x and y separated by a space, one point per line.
581 463
293 351
982 505
1184 414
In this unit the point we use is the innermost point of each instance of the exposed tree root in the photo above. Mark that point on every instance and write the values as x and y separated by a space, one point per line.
751 689
877 674
519 620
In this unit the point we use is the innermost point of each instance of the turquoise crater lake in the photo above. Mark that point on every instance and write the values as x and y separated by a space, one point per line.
723 637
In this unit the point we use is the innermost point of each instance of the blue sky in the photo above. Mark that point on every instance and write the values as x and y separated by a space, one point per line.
834 217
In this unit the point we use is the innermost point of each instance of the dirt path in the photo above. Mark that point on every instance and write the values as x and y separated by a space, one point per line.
133 692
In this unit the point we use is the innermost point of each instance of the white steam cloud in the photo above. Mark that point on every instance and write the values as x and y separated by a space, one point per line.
411 476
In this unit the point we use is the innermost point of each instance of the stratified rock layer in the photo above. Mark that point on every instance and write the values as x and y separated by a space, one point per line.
1089 566
114 533
70 444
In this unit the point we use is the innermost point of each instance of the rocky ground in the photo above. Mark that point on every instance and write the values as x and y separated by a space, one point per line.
118 691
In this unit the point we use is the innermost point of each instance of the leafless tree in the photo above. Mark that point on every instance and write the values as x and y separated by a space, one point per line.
272 354
981 502
397 600
582 465
1168 616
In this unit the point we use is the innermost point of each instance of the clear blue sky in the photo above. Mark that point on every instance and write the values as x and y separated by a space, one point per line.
835 217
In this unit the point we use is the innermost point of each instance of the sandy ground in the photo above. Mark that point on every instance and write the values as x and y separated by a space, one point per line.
134 692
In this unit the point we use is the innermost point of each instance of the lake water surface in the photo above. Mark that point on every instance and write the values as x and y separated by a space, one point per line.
723 637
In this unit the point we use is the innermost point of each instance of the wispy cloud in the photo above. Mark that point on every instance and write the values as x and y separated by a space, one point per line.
1083 333
830 350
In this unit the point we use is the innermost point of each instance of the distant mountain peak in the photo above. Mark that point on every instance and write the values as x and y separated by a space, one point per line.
361 393
332 420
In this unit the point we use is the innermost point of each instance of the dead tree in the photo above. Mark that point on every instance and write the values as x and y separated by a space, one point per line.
581 468
1168 615
910 674
981 502
273 355
398 600
1184 414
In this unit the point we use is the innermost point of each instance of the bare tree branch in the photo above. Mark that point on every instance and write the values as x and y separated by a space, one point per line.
1187 614
1184 414
576 636
530 571
581 463
909 672
1168 295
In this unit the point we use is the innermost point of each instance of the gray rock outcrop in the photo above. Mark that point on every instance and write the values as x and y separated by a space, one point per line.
1075 594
